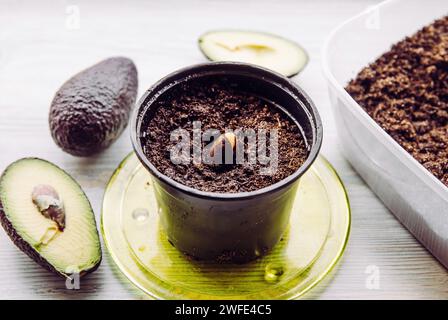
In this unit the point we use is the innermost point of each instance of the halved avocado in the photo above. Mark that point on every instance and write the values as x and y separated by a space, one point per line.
263 49
47 215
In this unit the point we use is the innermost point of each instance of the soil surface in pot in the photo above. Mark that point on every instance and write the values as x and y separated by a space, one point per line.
218 104
406 92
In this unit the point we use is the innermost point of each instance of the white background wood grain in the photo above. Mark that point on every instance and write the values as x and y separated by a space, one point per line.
40 49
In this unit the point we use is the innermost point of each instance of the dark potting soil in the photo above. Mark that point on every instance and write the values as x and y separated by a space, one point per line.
406 92
218 105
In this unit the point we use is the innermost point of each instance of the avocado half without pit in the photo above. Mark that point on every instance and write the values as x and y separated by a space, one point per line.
263 49
47 215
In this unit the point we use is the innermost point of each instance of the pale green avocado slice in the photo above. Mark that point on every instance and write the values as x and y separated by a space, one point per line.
65 245
262 49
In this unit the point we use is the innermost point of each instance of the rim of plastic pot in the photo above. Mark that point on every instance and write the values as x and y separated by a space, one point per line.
226 68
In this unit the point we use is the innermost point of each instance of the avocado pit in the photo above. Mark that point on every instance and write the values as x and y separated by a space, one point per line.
226 140
47 201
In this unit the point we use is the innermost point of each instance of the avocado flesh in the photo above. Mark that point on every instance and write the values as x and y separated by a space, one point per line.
75 249
91 110
265 50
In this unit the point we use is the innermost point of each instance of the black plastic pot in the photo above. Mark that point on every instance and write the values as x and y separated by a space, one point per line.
234 227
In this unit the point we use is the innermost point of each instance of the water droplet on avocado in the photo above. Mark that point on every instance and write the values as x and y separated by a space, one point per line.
140 214
273 272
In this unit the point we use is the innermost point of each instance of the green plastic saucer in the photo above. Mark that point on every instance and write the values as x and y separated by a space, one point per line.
312 245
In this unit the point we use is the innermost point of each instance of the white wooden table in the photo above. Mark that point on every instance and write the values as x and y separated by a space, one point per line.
42 44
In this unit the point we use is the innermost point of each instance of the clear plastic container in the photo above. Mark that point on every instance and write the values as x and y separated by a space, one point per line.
417 198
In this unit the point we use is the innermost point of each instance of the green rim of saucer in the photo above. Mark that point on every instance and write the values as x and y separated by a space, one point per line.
312 245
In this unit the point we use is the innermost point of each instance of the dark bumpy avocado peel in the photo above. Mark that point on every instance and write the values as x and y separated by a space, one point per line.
92 109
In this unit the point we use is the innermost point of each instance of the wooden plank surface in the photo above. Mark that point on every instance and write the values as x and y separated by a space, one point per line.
42 44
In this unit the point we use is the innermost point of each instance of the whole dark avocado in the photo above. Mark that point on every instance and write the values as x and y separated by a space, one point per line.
92 109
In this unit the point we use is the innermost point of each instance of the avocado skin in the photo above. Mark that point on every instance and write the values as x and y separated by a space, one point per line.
29 250
92 108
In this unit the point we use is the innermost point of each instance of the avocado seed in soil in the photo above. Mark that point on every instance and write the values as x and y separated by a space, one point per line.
220 106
